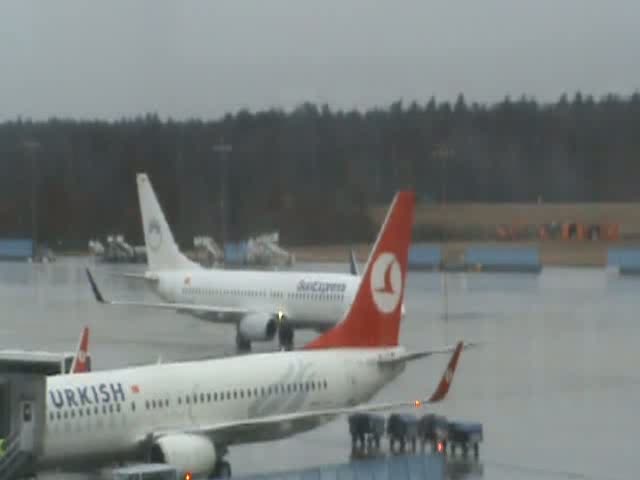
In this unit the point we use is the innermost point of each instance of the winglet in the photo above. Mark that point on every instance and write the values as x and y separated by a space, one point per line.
80 364
94 287
447 377
353 264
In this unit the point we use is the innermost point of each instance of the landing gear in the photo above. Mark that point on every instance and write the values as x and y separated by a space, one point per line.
285 336
242 344
222 469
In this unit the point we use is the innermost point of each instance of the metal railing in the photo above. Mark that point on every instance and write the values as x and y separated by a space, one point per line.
14 461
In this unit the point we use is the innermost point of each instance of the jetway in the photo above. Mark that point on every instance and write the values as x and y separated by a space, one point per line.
23 386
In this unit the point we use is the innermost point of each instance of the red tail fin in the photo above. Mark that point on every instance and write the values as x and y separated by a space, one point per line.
80 362
374 317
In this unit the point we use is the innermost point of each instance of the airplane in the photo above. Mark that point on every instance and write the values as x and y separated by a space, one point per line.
259 303
188 414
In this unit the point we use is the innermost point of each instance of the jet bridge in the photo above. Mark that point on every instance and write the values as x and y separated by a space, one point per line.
23 385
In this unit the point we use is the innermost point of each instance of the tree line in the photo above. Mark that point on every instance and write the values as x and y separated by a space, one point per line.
312 172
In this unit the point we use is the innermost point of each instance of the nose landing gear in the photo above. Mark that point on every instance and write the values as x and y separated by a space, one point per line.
285 336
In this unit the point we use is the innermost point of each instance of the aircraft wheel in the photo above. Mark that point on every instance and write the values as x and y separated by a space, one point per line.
222 469
285 335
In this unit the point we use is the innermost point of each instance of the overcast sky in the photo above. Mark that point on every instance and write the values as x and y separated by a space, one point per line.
107 59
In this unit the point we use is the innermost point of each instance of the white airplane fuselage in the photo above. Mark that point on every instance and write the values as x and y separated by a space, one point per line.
101 417
308 300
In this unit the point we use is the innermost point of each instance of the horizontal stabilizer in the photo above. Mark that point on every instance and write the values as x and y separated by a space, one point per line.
148 276
394 358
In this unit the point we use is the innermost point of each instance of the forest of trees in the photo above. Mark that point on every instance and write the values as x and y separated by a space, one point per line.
312 172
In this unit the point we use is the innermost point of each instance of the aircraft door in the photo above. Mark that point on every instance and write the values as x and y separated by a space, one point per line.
27 425
351 383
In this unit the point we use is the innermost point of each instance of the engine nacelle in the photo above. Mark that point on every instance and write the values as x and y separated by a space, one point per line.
258 327
188 453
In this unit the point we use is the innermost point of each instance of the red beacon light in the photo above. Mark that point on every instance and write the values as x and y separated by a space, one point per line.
417 403
188 476
440 447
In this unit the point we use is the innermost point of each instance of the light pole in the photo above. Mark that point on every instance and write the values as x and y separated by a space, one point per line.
444 152
31 147
223 149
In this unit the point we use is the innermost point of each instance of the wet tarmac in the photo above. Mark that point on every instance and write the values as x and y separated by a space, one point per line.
555 385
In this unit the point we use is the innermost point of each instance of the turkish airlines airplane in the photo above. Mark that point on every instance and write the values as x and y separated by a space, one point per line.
188 414
259 303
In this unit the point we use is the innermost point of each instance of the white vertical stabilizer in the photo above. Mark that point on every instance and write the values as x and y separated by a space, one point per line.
162 251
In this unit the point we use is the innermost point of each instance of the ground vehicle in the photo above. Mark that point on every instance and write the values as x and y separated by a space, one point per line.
147 471
402 427
366 426
465 434
433 429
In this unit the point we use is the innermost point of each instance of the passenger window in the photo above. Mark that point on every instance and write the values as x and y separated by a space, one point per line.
80 412
96 410
202 398
288 388
313 385
88 411
51 417
215 396
118 407
235 394
111 408
262 391
153 404
209 397
133 406
66 415
325 384
58 415
146 404
241 393
179 400
249 393
195 398
229 395
73 414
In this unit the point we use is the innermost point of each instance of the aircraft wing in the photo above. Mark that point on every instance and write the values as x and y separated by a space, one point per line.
179 307
276 426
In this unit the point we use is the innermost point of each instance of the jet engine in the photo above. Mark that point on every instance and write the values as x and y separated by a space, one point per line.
186 452
258 327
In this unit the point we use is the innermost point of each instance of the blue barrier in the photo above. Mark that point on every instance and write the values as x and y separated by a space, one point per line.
506 259
235 253
626 259
16 248
425 257
402 467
